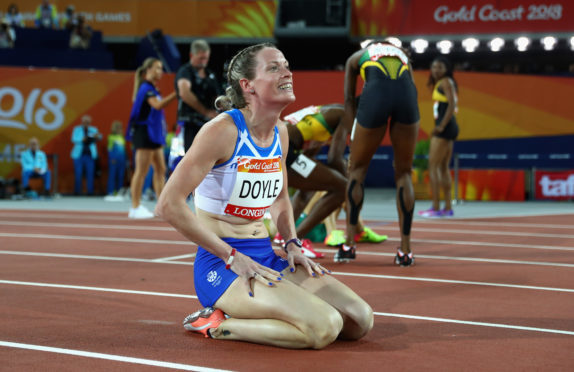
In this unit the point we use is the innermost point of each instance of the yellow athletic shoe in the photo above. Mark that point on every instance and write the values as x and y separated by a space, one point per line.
369 236
335 238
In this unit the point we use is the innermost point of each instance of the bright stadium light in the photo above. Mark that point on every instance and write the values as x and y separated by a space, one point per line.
394 40
572 43
522 43
444 46
549 42
419 45
496 44
470 44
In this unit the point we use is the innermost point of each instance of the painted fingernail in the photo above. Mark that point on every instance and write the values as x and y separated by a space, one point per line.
250 294
270 284
292 269
323 272
313 274
278 278
281 274
329 271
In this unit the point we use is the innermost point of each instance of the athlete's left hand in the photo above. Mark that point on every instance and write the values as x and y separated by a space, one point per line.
296 257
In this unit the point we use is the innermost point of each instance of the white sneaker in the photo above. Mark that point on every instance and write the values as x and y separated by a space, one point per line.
140 212
114 198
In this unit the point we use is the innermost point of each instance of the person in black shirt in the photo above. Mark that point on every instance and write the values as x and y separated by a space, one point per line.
196 88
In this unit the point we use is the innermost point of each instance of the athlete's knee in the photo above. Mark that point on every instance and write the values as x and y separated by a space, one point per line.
326 330
362 315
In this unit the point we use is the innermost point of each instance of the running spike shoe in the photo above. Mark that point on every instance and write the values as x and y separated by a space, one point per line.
369 236
345 255
335 238
308 250
403 259
203 320
430 213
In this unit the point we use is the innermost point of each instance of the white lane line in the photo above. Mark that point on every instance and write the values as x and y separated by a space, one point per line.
487 232
87 226
469 259
173 258
87 257
376 313
168 228
487 244
449 281
496 224
180 242
97 289
483 324
378 276
96 238
116 358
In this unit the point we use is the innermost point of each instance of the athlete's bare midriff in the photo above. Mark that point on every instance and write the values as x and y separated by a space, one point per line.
227 226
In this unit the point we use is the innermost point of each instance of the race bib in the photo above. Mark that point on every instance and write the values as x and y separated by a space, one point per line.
303 165
258 183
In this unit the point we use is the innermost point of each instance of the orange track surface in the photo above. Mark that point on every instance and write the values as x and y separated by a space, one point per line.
499 274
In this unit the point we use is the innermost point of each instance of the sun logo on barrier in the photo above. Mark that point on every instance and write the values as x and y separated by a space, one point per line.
253 19
373 17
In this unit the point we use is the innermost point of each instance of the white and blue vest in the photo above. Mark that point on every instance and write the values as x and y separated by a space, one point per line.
246 184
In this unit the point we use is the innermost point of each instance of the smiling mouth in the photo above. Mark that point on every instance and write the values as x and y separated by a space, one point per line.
287 86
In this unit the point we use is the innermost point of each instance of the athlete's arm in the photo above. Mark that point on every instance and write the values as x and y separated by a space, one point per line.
159 104
187 96
335 156
281 210
191 170
351 72
450 93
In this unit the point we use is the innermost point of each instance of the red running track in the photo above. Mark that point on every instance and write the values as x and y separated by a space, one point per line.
99 292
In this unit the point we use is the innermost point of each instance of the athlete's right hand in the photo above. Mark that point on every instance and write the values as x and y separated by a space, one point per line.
296 257
251 272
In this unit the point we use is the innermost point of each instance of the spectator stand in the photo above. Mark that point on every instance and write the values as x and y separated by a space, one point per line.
51 48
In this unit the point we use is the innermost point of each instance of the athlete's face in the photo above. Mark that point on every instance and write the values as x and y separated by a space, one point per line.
273 79
438 70
155 72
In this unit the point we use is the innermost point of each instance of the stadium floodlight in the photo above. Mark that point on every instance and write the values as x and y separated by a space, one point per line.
444 46
522 43
394 40
548 42
419 45
470 44
496 44
572 43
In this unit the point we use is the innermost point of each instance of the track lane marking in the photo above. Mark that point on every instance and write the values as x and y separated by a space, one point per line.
434 319
186 242
166 228
116 358
483 324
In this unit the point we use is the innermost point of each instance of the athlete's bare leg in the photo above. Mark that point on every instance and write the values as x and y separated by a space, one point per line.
438 152
159 169
363 147
322 178
143 160
298 312
404 138
446 179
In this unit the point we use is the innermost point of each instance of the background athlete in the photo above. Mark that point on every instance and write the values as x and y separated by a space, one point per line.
389 95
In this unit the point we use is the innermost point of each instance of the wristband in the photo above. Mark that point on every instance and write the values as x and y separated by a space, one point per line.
230 259
295 241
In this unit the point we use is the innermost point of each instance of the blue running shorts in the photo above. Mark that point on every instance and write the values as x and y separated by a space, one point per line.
212 279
